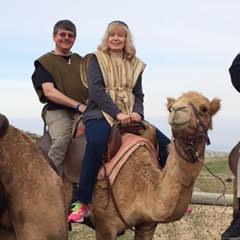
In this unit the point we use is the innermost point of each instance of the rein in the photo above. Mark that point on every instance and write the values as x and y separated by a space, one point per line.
133 128
190 143
190 148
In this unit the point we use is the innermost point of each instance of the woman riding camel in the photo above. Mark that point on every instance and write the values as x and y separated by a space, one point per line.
115 93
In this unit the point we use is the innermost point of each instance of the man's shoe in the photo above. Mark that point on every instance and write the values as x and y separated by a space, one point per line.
233 231
79 211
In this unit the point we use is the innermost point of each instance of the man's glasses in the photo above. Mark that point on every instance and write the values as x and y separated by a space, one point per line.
64 35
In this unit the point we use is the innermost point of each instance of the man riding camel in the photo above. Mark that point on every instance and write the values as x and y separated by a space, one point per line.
57 81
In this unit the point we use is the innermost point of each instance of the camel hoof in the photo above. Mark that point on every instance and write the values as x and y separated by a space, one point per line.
3 125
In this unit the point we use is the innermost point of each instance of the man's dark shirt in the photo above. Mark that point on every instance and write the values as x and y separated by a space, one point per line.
41 75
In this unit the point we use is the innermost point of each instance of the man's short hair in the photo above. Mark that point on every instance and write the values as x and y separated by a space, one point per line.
66 25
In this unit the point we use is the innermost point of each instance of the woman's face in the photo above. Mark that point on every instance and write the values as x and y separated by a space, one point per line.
117 40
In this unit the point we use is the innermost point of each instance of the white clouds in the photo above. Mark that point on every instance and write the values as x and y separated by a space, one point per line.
187 45
18 99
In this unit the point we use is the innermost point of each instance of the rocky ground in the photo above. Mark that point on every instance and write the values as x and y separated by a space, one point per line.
205 223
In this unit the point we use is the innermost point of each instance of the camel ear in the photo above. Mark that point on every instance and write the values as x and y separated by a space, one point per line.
215 105
170 102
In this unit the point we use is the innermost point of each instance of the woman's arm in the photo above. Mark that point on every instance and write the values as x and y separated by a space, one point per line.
96 89
139 96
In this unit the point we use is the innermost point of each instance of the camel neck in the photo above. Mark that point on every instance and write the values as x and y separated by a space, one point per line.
189 150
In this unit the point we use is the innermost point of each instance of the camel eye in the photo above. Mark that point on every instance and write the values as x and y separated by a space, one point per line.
203 109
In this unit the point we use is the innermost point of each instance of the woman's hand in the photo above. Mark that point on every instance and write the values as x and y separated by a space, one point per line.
123 118
135 117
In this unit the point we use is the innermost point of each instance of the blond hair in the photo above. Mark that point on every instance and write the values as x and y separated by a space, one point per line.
129 50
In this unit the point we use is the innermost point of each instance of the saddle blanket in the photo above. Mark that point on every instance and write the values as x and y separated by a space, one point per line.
130 143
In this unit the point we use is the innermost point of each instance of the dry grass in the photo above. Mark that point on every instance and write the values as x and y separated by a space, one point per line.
205 222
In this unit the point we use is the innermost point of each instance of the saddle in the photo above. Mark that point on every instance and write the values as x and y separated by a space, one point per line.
130 143
77 146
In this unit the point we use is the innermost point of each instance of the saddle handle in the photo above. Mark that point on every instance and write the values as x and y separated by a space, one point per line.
75 127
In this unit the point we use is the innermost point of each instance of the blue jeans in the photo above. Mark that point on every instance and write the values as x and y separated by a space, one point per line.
163 142
97 133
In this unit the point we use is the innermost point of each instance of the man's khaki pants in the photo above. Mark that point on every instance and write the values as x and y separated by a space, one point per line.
59 124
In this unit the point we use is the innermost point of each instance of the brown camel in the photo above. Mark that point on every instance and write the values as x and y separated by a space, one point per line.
145 194
30 190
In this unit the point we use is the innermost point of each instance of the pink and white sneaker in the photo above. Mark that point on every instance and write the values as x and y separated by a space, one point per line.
188 211
79 211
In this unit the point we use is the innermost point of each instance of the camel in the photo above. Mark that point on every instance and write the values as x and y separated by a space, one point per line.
144 193
30 190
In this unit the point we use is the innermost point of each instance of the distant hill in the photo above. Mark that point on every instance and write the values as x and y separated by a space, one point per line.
210 153
224 137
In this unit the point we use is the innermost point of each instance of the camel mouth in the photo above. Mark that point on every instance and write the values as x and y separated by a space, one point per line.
178 126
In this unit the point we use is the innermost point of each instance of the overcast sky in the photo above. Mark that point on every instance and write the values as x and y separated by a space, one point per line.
187 45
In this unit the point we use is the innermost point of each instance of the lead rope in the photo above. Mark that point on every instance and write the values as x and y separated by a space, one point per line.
223 183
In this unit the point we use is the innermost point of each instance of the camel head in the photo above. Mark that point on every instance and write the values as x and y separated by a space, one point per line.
3 125
191 111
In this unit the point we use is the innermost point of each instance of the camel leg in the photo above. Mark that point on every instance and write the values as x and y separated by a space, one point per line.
68 190
104 232
145 232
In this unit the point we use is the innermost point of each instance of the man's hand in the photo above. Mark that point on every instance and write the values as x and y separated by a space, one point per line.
82 108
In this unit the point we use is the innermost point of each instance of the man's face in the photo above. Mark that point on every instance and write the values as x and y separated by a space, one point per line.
64 40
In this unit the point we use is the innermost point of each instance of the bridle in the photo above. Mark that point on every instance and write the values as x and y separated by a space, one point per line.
189 144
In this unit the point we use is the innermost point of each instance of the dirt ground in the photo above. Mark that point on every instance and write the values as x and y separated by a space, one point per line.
205 223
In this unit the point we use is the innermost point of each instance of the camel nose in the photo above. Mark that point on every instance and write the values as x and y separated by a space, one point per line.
179 114
182 108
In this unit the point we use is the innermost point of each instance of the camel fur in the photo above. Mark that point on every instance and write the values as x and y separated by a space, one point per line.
30 191
145 194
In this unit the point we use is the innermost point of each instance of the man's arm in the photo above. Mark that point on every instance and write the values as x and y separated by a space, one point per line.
58 97
43 80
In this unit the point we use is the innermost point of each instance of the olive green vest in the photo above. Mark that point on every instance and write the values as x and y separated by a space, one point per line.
68 76
120 79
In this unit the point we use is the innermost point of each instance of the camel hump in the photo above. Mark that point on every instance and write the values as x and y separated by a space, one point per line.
3 125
